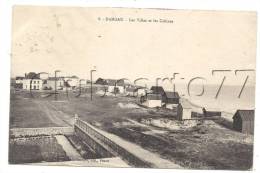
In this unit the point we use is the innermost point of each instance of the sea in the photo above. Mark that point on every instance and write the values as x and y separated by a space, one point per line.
227 100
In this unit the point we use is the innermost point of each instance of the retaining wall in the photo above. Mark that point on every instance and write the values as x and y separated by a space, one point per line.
94 144
85 130
30 132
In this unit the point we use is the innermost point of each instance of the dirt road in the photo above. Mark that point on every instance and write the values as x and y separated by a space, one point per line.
56 116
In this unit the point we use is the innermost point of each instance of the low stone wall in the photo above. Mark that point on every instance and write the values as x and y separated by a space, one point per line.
30 132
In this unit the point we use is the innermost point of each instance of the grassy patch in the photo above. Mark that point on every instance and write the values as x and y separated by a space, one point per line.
31 150
199 147
25 113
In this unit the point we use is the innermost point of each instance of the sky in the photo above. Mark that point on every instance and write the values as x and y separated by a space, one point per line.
76 40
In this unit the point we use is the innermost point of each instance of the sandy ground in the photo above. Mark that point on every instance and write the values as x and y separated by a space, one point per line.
205 146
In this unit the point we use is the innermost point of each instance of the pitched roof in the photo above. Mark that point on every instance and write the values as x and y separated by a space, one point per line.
246 115
113 82
19 78
32 75
172 94
157 89
120 82
101 81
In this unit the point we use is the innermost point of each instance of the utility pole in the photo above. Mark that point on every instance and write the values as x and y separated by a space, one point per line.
67 83
91 71
55 84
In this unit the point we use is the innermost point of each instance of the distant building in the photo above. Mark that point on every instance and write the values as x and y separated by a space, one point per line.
243 121
152 100
171 98
32 81
31 75
44 76
33 84
184 111
131 91
50 83
115 86
141 91
42 81
19 80
157 90
71 81
101 81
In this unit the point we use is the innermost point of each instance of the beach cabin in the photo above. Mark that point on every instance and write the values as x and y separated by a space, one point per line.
153 100
184 111
243 121
171 99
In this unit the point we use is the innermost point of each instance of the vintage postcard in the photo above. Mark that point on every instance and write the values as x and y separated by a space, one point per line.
125 87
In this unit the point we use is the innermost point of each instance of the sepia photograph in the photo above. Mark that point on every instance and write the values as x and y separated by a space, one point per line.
132 87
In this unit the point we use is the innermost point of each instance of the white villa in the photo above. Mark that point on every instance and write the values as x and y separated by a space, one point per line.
36 84
43 81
